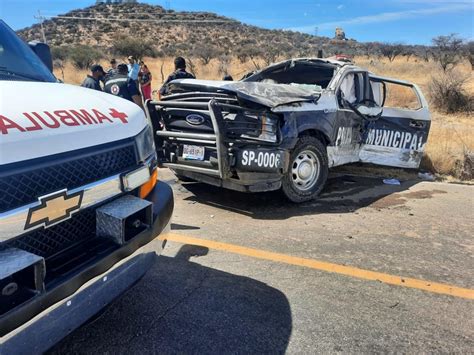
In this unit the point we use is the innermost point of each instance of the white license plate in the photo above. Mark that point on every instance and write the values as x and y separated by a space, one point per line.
193 152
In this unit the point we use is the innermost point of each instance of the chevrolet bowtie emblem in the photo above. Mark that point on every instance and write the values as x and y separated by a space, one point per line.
54 208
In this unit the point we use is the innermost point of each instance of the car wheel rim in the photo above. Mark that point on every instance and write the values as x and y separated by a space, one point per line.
305 170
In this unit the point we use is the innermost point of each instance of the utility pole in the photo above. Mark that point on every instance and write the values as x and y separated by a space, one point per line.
316 30
41 19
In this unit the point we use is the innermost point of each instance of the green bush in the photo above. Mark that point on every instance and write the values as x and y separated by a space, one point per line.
60 52
82 57
206 52
139 48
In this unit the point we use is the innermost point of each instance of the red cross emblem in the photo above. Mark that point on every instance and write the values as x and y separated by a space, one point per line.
120 115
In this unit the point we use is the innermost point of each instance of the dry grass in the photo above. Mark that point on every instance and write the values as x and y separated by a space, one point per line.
451 136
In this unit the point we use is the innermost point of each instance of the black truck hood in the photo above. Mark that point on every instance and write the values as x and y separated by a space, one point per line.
266 94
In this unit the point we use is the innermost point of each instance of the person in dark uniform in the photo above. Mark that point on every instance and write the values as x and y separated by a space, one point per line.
179 73
119 84
93 81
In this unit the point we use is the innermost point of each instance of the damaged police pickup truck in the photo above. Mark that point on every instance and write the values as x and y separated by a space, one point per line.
286 125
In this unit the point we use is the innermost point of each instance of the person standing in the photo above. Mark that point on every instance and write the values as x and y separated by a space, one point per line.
113 68
92 81
120 84
179 73
133 69
144 79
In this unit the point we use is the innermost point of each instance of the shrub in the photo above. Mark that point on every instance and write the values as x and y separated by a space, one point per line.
58 64
139 48
191 65
464 168
447 50
447 93
206 52
60 52
270 56
470 53
224 64
391 51
241 54
82 57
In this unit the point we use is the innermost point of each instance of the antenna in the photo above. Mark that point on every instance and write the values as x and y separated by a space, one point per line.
316 30
41 19
168 4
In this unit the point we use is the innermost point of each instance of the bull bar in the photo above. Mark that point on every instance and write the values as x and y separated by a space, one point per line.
215 114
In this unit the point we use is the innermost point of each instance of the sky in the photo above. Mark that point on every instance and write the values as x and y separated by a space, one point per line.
405 21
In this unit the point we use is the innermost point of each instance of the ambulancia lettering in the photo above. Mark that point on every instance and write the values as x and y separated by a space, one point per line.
56 119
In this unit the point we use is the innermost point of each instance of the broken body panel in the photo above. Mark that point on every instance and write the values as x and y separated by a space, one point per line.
261 118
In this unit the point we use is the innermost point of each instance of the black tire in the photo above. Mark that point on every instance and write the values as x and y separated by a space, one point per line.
309 154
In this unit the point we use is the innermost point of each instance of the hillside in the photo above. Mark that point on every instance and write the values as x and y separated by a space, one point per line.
180 32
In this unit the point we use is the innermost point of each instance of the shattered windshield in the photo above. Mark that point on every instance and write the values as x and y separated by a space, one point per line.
307 75
272 95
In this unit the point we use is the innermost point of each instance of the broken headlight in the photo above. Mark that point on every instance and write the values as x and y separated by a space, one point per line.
267 130
145 144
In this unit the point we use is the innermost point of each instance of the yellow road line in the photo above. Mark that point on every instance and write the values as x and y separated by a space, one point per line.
429 286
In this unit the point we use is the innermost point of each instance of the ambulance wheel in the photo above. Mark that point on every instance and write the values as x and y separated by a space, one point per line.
307 170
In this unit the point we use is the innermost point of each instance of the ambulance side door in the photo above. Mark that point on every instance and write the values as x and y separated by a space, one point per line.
398 136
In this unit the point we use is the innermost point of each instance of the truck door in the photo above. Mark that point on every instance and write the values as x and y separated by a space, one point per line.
397 135
349 123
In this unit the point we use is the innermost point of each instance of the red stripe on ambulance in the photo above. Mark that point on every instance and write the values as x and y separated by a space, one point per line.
51 120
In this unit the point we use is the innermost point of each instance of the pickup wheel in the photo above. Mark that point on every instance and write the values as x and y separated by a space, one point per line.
307 171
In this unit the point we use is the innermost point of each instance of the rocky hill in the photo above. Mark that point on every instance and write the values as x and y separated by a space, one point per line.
170 32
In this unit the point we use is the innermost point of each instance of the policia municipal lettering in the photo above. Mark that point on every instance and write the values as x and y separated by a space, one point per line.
119 84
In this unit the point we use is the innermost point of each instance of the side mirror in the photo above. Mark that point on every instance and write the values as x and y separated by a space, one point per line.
370 111
43 51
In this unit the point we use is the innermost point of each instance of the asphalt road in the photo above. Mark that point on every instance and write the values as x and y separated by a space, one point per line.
271 277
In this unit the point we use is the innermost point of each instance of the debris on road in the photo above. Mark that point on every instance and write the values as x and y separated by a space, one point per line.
426 176
391 182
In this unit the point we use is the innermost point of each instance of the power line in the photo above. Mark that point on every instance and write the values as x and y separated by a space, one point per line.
136 20
76 12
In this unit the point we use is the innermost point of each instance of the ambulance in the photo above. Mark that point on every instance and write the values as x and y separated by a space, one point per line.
81 205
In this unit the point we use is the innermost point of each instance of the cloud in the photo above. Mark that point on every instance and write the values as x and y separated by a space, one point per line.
389 16
340 7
